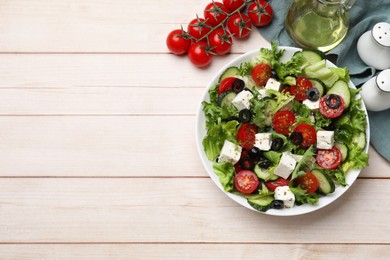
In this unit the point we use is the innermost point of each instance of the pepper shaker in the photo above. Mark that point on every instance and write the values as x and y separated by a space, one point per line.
376 92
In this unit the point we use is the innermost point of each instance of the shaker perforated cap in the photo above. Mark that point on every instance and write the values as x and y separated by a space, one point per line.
381 33
383 80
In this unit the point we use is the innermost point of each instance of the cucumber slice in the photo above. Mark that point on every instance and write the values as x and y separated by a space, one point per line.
360 140
319 85
311 56
226 98
325 182
261 173
343 149
341 88
312 70
229 72
262 203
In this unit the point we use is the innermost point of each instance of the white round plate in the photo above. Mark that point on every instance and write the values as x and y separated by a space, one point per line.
201 132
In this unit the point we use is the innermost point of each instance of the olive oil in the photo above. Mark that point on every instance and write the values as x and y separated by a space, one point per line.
319 26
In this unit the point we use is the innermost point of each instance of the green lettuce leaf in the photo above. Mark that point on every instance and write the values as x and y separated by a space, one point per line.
225 173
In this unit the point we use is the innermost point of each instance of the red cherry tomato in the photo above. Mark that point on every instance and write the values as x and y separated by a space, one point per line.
330 112
178 41
329 159
308 182
226 84
246 135
246 181
215 13
239 25
197 28
309 134
233 5
261 74
282 121
220 41
279 182
260 12
199 55
299 90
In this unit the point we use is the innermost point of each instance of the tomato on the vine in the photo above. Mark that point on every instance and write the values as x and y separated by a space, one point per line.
300 88
198 28
239 25
233 5
215 13
308 182
260 12
261 73
178 41
220 41
199 54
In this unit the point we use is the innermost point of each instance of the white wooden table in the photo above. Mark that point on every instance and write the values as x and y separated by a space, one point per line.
98 157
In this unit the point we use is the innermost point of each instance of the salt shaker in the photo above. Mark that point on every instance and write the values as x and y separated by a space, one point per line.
376 92
374 46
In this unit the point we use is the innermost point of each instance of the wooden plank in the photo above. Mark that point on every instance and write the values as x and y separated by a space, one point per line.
108 146
98 25
176 210
195 251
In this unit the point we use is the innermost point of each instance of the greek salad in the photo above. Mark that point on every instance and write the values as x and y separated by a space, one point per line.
284 133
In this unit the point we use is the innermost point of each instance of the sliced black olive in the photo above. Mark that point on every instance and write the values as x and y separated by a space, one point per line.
245 116
246 163
333 101
296 138
238 85
277 144
277 204
264 163
255 153
313 94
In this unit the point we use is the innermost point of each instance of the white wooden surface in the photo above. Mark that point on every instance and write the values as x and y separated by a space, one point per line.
98 156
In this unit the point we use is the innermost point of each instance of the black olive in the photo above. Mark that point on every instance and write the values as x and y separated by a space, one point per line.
313 94
333 101
296 138
245 116
238 85
255 153
264 163
246 163
277 204
277 144
231 118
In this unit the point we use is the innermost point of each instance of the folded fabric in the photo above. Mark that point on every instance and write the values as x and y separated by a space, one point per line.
363 16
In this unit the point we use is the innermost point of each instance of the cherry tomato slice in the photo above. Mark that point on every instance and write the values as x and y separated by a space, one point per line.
261 74
226 84
309 134
329 112
272 185
246 181
299 90
282 121
308 182
246 135
329 159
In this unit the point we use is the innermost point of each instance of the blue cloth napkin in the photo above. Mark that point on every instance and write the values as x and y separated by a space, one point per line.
363 16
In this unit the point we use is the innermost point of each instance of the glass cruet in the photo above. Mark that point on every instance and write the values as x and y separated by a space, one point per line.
318 24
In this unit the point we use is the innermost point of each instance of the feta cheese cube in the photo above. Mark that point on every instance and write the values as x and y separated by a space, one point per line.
242 100
230 153
325 139
262 94
312 105
263 141
286 165
284 194
273 84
